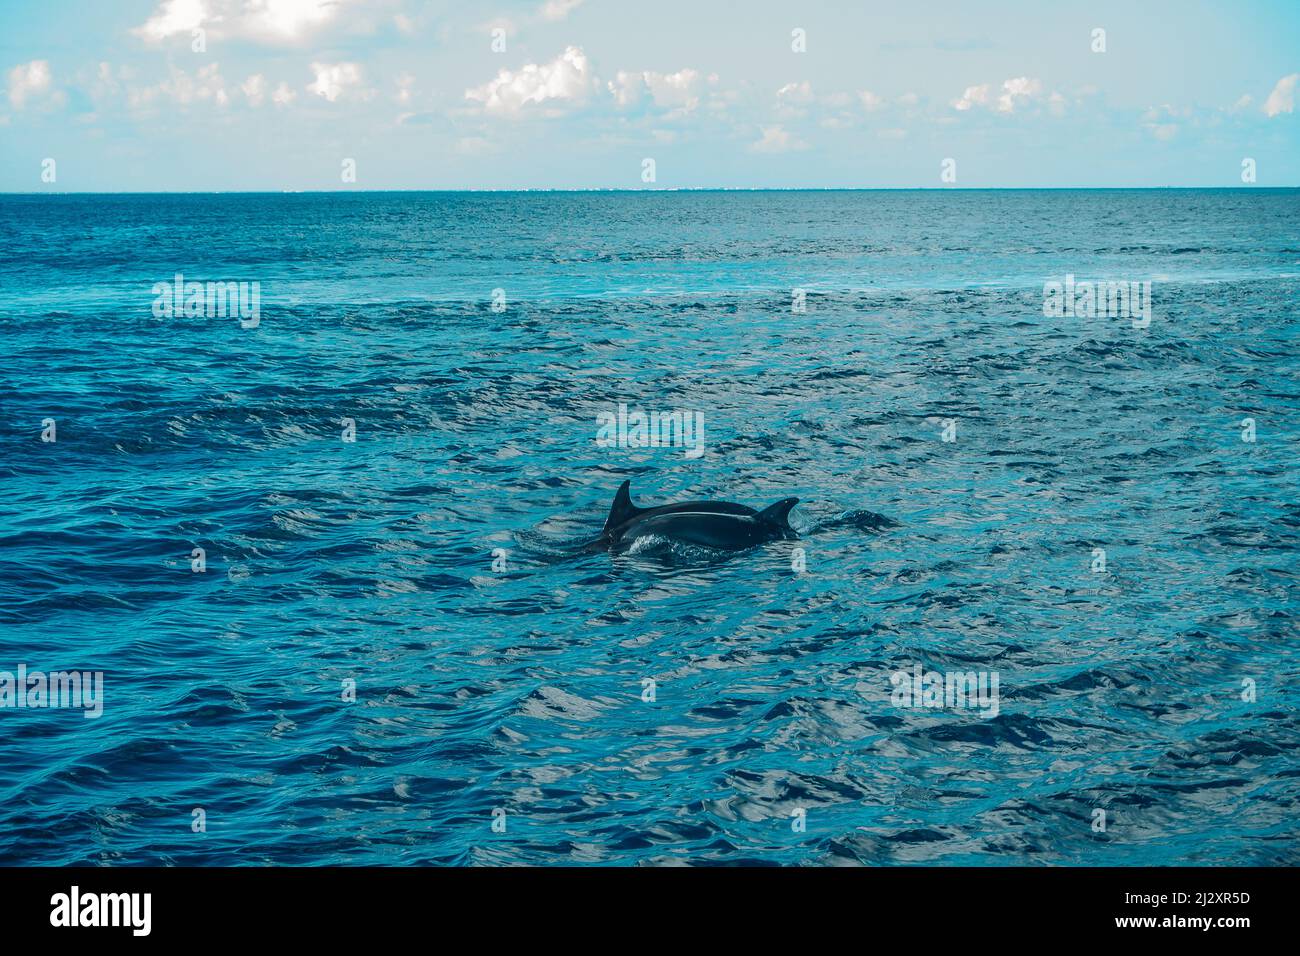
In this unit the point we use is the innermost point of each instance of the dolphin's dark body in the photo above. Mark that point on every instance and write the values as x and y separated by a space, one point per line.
723 525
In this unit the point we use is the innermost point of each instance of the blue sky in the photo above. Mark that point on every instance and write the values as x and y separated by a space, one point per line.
421 95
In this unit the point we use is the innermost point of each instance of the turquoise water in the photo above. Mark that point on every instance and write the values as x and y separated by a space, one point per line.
773 735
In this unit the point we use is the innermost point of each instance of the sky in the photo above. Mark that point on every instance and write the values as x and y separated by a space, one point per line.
197 95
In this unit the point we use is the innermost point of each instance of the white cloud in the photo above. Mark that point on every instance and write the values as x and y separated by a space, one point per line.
106 82
628 88
1165 112
254 89
973 96
1015 92
263 21
793 101
286 20
283 96
870 101
796 92
566 78
1282 99
183 89
671 91
1158 121
334 79
678 90
404 92
776 139
558 9
171 18
29 81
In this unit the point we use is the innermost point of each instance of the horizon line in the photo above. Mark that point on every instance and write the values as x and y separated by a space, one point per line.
623 189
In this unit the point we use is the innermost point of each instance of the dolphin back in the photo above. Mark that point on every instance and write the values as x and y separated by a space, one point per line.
622 510
778 514
721 524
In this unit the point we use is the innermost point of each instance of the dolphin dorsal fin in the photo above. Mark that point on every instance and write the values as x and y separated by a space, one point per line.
622 509
779 513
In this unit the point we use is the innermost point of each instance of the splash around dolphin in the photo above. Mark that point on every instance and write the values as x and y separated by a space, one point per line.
722 525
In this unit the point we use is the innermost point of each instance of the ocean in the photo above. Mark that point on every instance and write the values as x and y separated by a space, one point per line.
321 549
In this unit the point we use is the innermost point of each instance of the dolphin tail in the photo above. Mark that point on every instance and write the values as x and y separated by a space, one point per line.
778 514
623 509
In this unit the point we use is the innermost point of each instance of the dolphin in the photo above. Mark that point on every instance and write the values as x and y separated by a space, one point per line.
723 525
